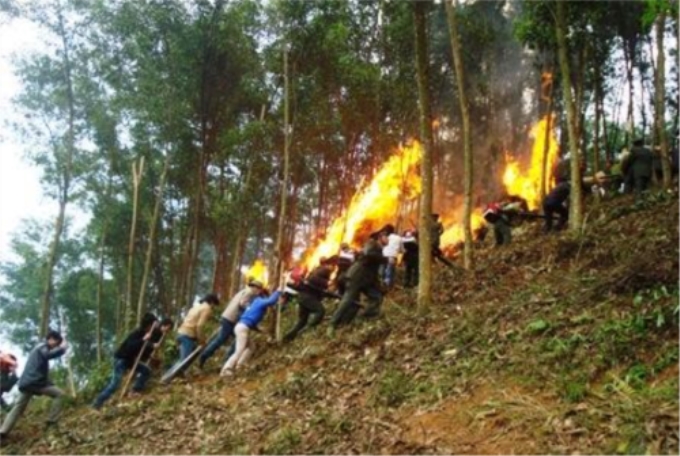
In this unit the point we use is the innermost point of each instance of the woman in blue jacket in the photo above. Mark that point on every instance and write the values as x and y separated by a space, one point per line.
249 321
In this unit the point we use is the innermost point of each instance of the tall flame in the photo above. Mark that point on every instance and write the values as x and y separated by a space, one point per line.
527 183
397 181
258 271
374 205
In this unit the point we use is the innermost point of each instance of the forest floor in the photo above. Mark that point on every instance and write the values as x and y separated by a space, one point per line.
556 344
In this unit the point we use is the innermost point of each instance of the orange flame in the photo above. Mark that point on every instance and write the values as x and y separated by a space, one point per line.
375 205
455 233
527 183
398 181
258 271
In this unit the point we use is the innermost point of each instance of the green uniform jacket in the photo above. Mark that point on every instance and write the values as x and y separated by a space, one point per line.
641 162
366 268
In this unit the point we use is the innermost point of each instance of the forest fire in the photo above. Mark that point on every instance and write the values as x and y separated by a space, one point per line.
527 183
380 201
258 271
376 204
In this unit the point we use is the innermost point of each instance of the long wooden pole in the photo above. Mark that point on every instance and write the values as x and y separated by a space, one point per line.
139 357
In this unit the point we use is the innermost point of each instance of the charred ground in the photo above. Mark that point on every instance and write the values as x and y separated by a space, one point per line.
555 344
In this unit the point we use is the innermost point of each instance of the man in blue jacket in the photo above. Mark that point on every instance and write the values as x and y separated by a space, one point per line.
35 381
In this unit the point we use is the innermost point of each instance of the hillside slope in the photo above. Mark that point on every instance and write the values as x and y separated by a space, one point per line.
556 344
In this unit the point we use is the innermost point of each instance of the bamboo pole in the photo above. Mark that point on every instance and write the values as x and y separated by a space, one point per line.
139 357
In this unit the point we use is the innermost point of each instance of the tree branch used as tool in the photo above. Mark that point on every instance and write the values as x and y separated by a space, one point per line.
139 357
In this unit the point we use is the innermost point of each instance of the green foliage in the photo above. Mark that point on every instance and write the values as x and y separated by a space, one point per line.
98 377
654 7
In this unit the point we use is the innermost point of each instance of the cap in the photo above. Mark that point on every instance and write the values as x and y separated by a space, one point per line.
256 284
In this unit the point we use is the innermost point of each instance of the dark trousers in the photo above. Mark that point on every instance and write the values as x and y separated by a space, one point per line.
349 304
341 283
308 304
226 331
502 231
552 207
641 185
411 279
120 367
628 182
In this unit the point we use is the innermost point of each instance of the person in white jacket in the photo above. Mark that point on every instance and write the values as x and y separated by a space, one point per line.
391 252
238 304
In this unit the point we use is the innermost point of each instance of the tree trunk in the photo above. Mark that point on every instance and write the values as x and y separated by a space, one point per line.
425 255
65 179
596 131
468 258
605 136
152 240
280 235
100 288
546 139
628 59
580 95
660 99
136 179
49 269
575 203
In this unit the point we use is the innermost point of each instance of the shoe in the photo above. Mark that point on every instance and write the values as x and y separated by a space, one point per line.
227 373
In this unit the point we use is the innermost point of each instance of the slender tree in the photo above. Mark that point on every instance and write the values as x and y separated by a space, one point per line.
67 148
141 303
426 175
451 11
137 172
280 235
575 202
660 96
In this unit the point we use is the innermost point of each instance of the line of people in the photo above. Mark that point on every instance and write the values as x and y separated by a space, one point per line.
346 276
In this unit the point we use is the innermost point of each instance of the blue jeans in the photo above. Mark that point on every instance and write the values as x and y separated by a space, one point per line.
119 369
390 271
226 331
186 346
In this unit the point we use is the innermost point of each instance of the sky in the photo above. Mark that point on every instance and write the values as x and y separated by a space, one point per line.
20 191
